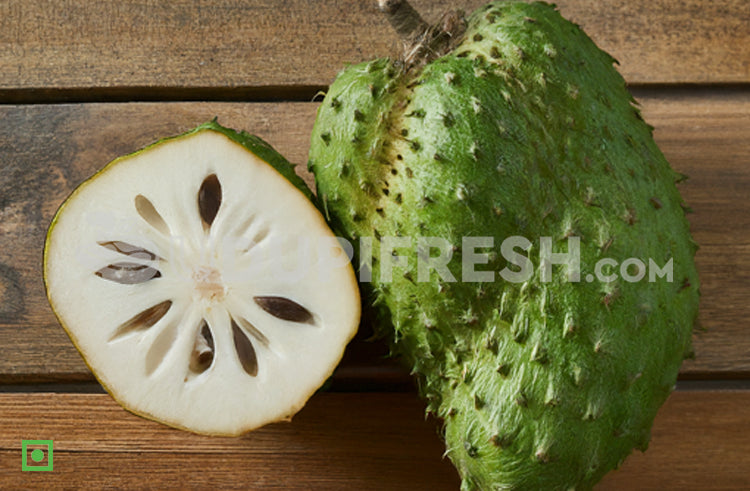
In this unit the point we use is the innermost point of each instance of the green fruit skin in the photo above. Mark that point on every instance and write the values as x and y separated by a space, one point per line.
524 129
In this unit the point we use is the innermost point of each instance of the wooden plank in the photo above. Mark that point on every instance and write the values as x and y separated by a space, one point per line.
338 441
45 151
708 138
131 48
698 442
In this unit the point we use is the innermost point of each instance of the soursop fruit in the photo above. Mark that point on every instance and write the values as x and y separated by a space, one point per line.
520 237
200 283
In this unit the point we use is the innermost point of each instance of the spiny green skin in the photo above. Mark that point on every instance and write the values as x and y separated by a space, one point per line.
524 129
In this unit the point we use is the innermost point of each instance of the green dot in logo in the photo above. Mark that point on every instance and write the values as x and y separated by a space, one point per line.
37 455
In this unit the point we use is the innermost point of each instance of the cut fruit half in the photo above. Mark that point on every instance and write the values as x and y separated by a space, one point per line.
200 284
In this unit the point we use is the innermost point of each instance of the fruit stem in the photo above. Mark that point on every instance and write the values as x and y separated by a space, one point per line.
423 42
403 18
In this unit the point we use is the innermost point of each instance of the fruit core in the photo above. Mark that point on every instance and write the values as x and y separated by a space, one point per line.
208 284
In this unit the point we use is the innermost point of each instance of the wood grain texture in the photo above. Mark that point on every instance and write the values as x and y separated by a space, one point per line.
698 442
138 49
707 137
338 441
46 150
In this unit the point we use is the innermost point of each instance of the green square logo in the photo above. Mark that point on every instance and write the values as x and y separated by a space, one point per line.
36 455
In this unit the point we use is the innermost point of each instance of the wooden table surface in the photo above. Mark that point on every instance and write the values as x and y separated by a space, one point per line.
83 81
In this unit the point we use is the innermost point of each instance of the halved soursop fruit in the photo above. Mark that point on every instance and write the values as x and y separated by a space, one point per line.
510 124
200 283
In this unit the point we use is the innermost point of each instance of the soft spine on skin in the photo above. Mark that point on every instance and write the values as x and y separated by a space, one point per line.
513 123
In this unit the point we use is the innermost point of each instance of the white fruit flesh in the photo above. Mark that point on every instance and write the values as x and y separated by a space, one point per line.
215 326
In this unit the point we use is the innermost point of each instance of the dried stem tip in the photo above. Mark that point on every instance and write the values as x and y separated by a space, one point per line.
423 42
405 20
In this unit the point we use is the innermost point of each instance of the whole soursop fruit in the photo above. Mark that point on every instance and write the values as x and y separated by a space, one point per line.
464 173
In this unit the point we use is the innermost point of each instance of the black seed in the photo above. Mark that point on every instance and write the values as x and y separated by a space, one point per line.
209 199
448 120
128 249
245 351
249 328
128 273
285 309
415 145
326 137
404 132
148 212
478 37
409 173
335 103
203 351
144 320
358 116
398 157
495 53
